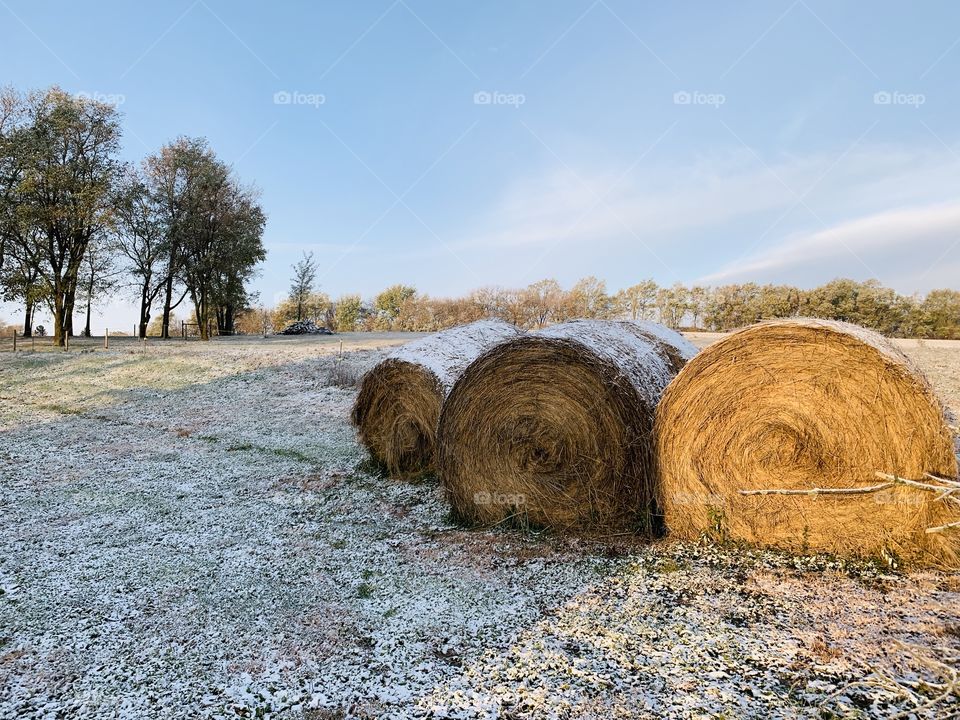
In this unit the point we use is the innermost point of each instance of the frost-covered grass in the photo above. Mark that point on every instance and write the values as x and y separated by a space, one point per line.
193 532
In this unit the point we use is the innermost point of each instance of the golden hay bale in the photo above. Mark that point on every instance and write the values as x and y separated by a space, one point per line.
797 405
398 405
554 429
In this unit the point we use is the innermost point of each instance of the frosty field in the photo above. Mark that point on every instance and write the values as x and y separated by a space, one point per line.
192 530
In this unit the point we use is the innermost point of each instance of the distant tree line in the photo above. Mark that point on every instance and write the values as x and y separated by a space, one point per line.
77 224
401 307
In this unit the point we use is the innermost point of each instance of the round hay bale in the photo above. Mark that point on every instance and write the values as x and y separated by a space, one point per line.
398 405
554 430
797 405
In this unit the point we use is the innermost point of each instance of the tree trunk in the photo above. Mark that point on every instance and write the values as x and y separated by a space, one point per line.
199 312
202 319
228 316
144 314
86 327
58 310
68 304
28 320
167 299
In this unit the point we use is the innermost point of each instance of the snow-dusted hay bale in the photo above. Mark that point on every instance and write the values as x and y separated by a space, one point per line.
801 404
677 350
398 405
555 429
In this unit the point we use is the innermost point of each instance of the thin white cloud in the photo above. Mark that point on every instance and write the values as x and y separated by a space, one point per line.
801 219
912 239
567 206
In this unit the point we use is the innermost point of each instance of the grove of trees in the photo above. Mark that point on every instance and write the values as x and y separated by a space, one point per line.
727 307
77 224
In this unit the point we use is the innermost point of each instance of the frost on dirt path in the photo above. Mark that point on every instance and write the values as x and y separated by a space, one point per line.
192 534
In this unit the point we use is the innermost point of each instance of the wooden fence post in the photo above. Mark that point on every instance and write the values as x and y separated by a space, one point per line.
106 338
66 341
14 339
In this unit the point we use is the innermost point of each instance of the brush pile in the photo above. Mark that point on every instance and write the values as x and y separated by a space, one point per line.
304 327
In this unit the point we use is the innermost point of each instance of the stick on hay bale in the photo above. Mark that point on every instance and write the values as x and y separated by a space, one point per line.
398 405
797 405
554 429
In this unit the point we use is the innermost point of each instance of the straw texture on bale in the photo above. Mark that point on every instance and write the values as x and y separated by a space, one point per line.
799 405
555 429
397 408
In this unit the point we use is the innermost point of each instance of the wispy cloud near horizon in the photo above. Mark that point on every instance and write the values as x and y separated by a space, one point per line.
882 210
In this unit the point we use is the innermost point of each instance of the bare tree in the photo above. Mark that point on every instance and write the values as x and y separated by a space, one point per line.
544 299
304 275
637 300
99 276
588 299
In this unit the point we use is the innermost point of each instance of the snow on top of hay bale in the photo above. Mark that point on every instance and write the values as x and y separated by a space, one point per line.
673 346
397 408
684 347
447 353
638 358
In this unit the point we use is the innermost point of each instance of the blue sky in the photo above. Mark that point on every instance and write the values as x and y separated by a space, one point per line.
454 144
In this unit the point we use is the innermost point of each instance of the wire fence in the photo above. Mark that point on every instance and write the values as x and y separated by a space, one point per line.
45 343
16 342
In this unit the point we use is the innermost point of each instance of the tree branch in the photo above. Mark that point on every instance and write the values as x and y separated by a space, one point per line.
945 492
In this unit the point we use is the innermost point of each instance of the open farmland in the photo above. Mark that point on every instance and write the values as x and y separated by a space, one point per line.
191 530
